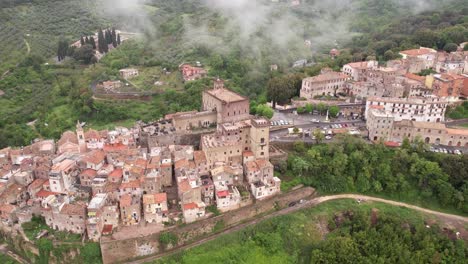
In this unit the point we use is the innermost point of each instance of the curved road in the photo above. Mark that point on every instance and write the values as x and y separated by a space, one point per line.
309 203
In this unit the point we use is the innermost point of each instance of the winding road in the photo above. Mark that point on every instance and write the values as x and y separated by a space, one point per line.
450 219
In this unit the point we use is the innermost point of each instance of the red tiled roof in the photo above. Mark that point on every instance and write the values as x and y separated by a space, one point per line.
117 173
184 186
95 156
115 147
7 208
415 77
126 200
154 198
199 156
44 194
73 209
392 144
107 229
224 193
183 163
37 183
130 184
190 206
89 173
416 52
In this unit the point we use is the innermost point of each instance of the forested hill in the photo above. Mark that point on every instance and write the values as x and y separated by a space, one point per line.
235 40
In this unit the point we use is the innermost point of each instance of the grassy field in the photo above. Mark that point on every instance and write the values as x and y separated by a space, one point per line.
4 259
148 76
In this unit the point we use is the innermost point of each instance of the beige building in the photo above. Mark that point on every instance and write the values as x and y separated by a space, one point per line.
421 109
358 70
155 208
229 106
193 211
327 83
382 126
130 209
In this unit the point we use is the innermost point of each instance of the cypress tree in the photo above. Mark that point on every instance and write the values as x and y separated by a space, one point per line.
82 42
114 38
92 42
101 41
87 40
108 37
118 39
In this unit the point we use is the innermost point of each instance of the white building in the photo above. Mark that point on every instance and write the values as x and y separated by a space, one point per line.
421 109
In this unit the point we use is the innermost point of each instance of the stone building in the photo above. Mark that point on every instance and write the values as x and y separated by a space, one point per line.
229 106
128 73
130 209
155 208
327 83
423 109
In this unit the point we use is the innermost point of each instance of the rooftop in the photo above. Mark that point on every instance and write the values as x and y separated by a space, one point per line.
155 198
226 95
418 52
328 76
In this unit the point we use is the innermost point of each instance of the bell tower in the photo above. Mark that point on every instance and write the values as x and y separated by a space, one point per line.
81 137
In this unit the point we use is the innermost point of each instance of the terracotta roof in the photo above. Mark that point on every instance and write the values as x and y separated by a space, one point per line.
154 198
417 52
117 173
252 166
262 163
358 65
115 147
184 186
415 77
226 95
73 209
126 200
190 206
130 184
107 229
141 163
94 134
37 183
224 193
392 144
199 156
247 153
328 76
183 163
89 173
154 163
95 156
68 136
43 193
7 208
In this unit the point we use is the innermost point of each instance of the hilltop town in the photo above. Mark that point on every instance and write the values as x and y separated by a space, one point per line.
95 182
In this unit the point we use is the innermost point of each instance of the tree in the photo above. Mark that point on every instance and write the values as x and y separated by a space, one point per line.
389 55
92 41
465 48
450 47
91 253
319 136
309 108
84 54
322 108
264 110
118 39
101 41
334 110
278 90
87 40
114 38
82 41
62 49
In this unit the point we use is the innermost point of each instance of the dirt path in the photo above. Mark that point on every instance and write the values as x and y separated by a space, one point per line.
455 221
28 47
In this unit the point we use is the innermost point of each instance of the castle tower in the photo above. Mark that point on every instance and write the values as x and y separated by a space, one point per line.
81 137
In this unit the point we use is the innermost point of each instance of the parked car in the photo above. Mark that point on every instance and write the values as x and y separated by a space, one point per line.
328 137
458 152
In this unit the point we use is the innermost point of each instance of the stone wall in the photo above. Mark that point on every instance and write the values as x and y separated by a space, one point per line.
118 251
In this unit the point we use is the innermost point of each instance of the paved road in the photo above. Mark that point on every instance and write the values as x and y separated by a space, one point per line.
310 203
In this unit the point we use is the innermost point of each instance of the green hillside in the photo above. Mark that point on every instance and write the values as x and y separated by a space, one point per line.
234 44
